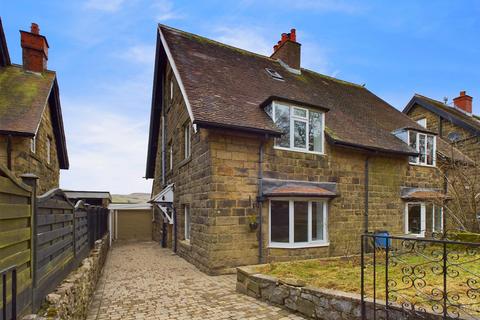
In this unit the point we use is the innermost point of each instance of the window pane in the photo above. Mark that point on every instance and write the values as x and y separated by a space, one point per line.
413 144
300 134
300 221
422 122
282 120
421 148
430 151
438 219
279 221
268 110
414 218
300 112
317 221
315 132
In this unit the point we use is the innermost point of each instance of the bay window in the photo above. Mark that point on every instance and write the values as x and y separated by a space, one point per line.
298 223
303 128
425 145
418 213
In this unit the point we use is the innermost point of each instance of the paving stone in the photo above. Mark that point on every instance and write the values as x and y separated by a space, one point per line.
141 280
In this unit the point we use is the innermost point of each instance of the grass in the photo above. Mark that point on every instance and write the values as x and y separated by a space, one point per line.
424 269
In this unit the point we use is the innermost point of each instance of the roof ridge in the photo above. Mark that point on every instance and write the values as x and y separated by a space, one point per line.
255 54
216 42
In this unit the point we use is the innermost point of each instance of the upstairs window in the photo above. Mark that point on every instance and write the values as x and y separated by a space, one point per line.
33 144
422 122
187 130
303 128
48 150
425 145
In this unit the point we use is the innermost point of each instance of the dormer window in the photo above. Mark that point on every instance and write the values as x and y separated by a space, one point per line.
303 127
425 145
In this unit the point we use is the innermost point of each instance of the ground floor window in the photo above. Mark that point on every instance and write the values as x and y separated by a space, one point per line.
298 223
187 223
417 214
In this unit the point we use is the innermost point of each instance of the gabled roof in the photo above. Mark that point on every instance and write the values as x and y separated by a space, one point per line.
23 99
468 122
4 55
224 87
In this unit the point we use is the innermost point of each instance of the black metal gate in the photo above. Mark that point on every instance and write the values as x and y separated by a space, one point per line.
419 278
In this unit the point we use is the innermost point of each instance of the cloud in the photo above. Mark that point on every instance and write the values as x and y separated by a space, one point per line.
107 152
104 5
165 11
141 53
245 37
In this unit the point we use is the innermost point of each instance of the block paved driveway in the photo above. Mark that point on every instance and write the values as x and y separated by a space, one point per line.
143 281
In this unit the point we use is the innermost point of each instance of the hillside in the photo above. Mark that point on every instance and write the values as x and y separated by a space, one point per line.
130 198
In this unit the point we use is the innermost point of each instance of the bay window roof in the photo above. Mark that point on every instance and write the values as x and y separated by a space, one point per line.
290 188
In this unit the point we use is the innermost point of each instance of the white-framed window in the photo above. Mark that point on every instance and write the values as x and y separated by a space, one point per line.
298 223
187 131
437 219
303 127
33 144
416 215
170 154
187 222
422 122
171 88
426 145
415 222
49 150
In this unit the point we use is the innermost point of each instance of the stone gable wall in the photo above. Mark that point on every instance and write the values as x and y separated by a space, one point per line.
24 161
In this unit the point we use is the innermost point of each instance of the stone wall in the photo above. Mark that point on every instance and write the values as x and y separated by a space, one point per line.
71 299
25 161
314 303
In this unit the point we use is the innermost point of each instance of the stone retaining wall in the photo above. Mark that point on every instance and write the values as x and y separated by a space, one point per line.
314 303
72 297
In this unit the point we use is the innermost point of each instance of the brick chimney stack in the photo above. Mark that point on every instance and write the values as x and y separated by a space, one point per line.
464 102
288 50
34 49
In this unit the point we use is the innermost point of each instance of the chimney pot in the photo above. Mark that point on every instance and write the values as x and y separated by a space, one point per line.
288 50
463 102
34 28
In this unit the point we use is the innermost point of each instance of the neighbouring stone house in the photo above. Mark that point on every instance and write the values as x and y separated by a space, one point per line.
32 138
454 122
256 159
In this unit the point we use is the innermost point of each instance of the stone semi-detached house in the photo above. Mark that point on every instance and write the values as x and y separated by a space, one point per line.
237 137
32 138
454 122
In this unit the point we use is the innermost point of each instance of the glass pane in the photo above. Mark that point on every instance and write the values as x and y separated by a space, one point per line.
279 221
300 221
300 112
282 120
421 148
268 110
315 132
430 153
414 218
300 134
429 216
317 221
413 144
438 219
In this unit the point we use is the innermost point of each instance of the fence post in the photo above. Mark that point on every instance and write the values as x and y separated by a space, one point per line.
30 179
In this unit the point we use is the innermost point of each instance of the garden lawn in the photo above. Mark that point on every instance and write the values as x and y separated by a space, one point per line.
413 278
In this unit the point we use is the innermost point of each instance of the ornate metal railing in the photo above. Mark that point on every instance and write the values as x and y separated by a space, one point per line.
418 278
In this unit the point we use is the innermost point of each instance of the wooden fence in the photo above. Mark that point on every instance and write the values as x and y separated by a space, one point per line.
15 240
43 238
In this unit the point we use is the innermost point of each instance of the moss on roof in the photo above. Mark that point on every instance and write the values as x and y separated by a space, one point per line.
23 96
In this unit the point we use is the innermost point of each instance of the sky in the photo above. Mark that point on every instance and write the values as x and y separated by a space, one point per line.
103 53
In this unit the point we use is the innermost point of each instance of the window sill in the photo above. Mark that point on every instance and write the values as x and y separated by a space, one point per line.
186 243
422 165
299 150
298 246
414 235
184 161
